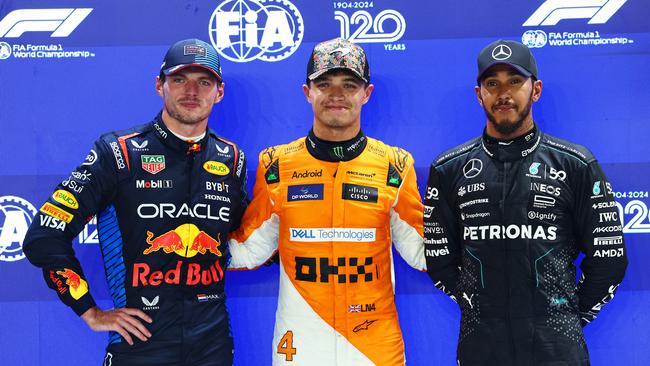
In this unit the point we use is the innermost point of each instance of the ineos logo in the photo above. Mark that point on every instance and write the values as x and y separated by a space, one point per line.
472 168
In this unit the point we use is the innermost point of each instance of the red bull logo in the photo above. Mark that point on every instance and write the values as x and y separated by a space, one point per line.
168 242
204 242
194 274
77 285
186 240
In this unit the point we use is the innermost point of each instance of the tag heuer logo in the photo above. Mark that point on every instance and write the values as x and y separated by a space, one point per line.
153 163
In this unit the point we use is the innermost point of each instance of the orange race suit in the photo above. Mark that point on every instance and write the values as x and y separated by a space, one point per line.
332 222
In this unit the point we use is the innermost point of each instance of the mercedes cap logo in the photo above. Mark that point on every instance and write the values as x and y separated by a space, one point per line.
472 168
501 52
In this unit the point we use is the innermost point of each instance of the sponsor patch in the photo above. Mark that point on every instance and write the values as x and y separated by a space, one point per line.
332 234
66 199
305 192
57 213
609 240
153 163
359 193
307 174
543 201
153 184
216 167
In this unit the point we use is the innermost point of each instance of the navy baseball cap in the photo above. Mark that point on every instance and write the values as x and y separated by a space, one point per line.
510 53
191 52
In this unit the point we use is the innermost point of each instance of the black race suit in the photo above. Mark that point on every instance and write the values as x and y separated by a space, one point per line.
504 223
164 210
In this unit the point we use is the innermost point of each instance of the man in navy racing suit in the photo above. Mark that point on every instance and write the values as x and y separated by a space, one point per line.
166 194
506 215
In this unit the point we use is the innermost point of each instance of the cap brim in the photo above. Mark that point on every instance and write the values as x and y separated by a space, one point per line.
177 68
323 71
519 69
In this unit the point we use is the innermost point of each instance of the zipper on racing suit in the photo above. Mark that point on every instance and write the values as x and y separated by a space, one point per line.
502 204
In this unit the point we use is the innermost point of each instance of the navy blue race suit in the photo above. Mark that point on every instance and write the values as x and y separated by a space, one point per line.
504 223
165 208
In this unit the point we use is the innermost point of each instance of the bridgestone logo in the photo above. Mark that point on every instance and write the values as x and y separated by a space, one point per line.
492 232
332 234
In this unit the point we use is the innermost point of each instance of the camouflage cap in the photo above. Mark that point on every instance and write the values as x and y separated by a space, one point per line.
338 53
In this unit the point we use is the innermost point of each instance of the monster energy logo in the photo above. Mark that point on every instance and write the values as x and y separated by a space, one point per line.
338 151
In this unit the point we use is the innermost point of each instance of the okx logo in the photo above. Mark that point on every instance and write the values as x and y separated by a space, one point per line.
16 214
553 11
60 22
246 30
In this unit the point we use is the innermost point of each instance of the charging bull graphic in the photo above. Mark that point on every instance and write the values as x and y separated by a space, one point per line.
186 240
78 287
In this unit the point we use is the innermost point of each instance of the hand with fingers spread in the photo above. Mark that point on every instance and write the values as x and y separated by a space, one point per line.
123 321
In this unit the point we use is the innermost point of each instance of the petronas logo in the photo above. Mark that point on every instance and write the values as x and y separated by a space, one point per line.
338 151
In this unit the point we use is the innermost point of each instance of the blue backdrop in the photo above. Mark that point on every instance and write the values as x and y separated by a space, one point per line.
72 69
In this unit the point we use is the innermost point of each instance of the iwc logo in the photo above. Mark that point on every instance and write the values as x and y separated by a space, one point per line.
247 30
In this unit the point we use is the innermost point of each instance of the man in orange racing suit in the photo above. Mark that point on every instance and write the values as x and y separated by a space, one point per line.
331 203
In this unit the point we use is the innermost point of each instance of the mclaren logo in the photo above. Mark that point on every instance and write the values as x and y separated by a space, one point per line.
552 11
61 22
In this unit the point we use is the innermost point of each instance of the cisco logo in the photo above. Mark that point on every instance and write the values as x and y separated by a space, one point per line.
247 30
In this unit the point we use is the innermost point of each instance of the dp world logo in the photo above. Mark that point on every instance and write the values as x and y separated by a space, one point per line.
534 38
16 214
247 30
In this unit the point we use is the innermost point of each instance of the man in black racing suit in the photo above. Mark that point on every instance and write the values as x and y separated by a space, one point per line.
166 194
506 216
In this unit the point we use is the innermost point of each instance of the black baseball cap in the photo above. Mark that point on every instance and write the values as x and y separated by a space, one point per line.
506 52
191 52
338 53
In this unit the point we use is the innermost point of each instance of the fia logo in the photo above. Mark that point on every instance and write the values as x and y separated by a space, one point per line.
16 214
371 30
247 30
